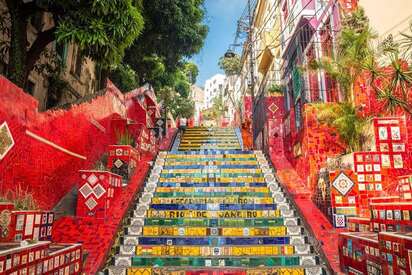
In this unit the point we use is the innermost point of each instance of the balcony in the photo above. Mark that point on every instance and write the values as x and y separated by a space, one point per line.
298 13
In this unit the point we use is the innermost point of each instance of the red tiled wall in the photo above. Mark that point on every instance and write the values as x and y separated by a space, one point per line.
317 142
41 169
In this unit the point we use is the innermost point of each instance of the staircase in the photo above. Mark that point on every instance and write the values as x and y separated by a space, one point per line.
210 208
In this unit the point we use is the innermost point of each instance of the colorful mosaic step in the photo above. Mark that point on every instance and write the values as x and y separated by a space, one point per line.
203 138
213 209
220 271
221 222
225 262
185 251
215 231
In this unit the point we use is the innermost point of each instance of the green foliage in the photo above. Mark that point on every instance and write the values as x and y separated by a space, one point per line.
217 110
276 89
101 164
230 65
191 71
125 78
125 138
102 28
174 30
182 84
174 103
393 85
344 118
354 51
22 199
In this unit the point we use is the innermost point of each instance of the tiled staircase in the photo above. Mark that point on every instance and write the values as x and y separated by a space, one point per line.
214 211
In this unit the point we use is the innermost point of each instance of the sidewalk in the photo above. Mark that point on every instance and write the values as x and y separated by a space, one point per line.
323 230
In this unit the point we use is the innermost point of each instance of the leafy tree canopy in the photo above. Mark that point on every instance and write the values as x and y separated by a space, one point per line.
125 78
174 29
230 65
102 28
174 103
192 71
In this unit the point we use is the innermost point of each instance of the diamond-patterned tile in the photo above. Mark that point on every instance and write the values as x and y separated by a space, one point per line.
92 179
85 190
91 203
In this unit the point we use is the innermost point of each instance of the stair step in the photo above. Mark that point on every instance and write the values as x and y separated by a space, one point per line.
207 251
290 270
214 241
216 231
140 261
211 206
216 222
168 214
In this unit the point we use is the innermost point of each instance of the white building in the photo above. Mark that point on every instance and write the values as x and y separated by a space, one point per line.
213 86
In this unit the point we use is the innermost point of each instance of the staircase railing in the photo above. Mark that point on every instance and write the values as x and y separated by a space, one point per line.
315 242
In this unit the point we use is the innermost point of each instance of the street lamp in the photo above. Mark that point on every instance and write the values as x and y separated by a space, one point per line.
230 54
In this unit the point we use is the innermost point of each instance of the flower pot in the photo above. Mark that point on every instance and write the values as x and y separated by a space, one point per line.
97 191
122 161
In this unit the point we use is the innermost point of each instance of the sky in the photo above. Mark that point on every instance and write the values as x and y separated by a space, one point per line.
221 17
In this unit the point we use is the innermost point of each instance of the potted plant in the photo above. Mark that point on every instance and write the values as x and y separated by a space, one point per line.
275 90
123 156
21 219
98 188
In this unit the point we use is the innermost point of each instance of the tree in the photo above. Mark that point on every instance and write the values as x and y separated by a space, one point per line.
344 118
393 83
103 29
192 71
217 110
174 30
354 51
174 103
125 78
230 65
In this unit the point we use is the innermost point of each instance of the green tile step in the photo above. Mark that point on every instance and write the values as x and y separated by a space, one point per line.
285 261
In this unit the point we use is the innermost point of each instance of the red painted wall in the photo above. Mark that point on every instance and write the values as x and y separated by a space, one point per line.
46 172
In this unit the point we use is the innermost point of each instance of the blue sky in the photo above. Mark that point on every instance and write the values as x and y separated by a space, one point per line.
221 18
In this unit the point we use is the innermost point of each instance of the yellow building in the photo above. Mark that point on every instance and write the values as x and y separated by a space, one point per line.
266 33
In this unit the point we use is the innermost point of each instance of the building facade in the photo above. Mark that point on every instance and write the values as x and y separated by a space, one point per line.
213 87
77 77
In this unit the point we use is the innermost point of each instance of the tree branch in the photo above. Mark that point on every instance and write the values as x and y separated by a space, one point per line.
42 40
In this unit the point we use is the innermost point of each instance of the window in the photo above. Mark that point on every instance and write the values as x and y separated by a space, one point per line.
77 61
